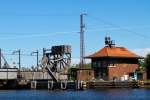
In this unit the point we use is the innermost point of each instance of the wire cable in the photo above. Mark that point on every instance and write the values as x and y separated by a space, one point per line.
120 27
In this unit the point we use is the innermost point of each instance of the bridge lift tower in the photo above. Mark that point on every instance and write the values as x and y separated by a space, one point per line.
56 60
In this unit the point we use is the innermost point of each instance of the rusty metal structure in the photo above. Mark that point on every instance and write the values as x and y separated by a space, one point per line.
56 60
55 63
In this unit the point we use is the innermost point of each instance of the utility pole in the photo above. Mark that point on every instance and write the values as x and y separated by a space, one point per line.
82 46
37 57
44 51
0 58
19 54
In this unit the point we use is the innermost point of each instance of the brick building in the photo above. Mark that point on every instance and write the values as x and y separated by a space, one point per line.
113 62
82 74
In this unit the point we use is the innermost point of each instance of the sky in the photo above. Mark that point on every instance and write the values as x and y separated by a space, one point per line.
31 25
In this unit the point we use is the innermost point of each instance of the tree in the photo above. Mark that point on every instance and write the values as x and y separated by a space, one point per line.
142 64
147 65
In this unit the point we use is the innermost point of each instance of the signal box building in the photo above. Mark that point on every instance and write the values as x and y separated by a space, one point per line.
113 62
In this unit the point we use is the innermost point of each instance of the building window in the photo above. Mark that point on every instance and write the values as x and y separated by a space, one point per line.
89 73
95 64
104 64
98 64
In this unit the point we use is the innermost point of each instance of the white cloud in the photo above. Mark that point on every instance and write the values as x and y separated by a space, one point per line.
142 52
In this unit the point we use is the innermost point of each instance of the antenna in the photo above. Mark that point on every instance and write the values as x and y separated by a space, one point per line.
109 42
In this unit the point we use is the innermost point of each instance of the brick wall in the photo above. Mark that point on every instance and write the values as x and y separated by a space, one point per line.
85 75
120 70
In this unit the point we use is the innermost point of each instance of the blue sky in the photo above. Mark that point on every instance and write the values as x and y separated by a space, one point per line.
35 24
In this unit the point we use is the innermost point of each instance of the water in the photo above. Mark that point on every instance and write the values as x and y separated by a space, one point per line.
101 94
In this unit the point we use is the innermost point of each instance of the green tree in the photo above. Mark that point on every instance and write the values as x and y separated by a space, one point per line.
147 65
142 64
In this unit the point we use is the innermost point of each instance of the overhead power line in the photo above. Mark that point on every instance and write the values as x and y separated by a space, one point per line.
20 54
120 27
37 14
8 36
17 36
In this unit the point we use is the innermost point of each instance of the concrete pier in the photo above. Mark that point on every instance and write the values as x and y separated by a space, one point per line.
33 84
50 85
111 84
64 85
80 85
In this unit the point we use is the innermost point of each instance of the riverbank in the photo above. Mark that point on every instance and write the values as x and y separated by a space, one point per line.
72 85
119 84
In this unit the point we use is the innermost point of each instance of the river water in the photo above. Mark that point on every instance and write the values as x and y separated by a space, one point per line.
100 94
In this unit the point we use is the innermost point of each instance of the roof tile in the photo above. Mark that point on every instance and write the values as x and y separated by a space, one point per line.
114 52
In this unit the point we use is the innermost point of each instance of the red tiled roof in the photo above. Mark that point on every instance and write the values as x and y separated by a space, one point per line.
120 52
